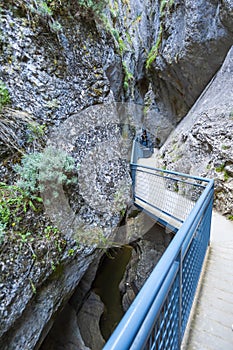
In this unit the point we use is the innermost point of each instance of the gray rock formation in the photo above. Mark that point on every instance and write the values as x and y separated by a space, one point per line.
97 318
88 322
51 76
202 143
196 37
65 333
147 252
38 310
71 331
189 39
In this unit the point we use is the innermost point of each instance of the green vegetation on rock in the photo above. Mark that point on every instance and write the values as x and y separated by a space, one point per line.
36 169
23 223
95 6
128 77
4 95
14 203
164 5
154 50
25 231
35 131
220 168
44 11
51 167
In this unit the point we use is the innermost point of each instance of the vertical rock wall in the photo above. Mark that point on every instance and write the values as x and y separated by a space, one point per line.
189 40
157 54
202 143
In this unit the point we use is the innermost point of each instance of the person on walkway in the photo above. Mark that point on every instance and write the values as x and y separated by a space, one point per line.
144 138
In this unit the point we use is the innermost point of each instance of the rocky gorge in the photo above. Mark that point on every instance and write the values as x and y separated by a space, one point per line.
84 80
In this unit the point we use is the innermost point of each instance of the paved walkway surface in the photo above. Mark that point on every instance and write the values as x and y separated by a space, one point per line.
212 316
151 161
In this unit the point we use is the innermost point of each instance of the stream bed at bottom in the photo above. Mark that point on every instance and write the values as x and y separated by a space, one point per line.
106 285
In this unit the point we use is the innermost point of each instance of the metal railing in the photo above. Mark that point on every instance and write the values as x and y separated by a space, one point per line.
166 195
140 151
158 316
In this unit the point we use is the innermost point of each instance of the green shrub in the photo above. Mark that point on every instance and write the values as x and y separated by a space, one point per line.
41 8
35 131
94 6
53 166
226 176
14 203
45 10
56 166
154 50
23 230
4 95
122 46
225 147
128 77
220 168
29 173
55 26
42 11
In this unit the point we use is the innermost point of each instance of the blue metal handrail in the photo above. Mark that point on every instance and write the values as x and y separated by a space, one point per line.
158 316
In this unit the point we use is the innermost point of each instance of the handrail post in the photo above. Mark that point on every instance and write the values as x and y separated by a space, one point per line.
133 174
180 296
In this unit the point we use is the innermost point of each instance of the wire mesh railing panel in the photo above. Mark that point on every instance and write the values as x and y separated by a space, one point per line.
165 332
171 195
192 264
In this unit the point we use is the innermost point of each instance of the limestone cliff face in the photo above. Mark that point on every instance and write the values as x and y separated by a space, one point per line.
51 77
195 40
202 143
157 54
172 50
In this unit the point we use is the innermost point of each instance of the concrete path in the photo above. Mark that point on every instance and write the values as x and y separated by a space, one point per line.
211 322
151 161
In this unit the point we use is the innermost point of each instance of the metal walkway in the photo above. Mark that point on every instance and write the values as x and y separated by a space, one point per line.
211 322
169 206
176 194
174 200
158 317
